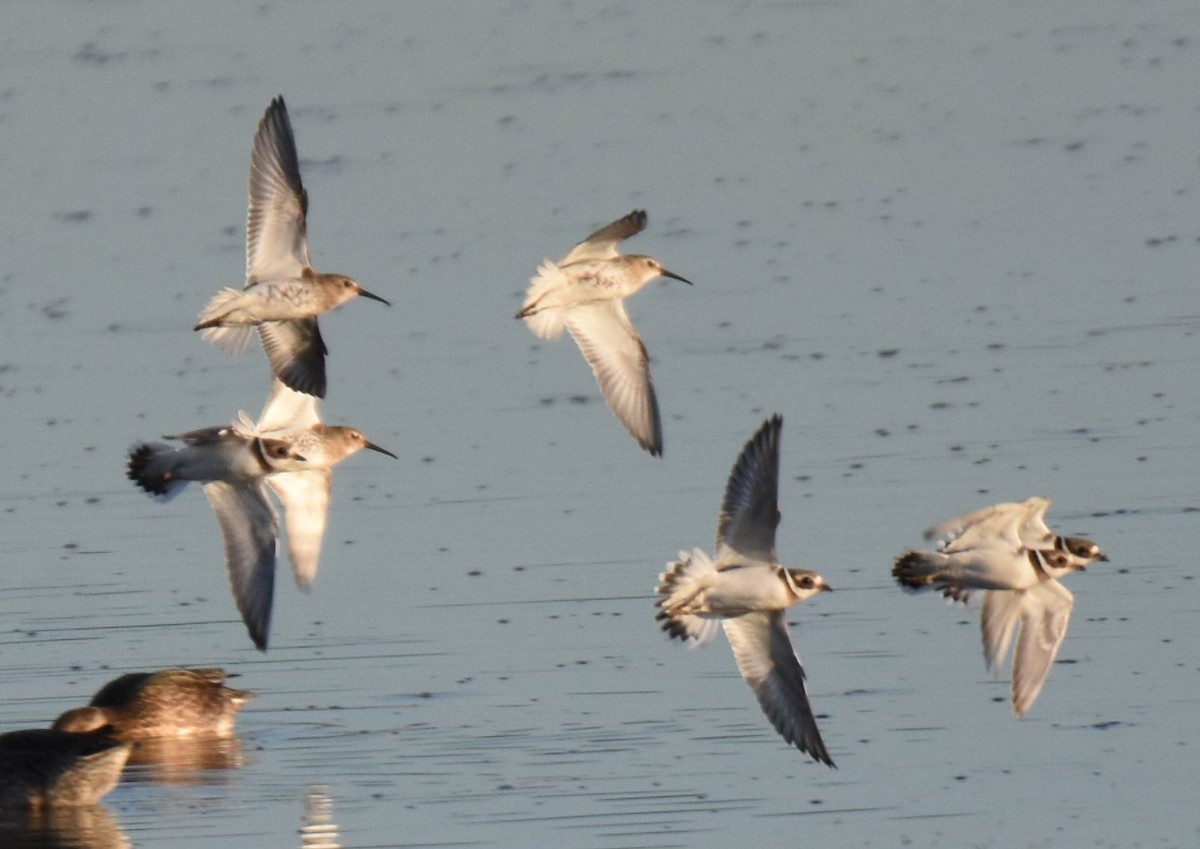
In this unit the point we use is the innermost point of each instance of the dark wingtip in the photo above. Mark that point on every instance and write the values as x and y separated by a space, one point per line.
258 631
299 380
817 752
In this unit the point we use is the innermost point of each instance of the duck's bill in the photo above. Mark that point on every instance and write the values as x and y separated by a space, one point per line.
375 447
363 293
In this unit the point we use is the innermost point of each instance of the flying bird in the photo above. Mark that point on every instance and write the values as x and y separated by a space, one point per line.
288 452
585 293
1009 553
746 590
283 294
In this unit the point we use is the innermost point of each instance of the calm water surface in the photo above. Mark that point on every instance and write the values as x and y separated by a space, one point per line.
955 246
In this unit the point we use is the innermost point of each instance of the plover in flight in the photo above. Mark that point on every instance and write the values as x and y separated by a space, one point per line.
168 703
747 591
585 292
288 451
283 294
1026 520
1008 552
41 768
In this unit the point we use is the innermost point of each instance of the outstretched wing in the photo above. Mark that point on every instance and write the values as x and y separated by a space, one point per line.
1033 530
995 526
297 354
250 528
286 410
603 243
998 623
750 511
276 232
769 664
1045 614
612 347
305 497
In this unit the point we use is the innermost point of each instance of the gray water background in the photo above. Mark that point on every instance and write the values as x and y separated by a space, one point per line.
953 244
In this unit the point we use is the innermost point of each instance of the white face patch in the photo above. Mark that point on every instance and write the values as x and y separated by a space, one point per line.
802 583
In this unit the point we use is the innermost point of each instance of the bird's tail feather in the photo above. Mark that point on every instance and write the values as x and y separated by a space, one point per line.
917 570
544 319
232 338
151 466
683 580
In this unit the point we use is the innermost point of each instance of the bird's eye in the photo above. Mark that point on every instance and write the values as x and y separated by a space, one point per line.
349 284
806 583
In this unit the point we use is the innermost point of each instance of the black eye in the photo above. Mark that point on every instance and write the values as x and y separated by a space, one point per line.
347 284
806 583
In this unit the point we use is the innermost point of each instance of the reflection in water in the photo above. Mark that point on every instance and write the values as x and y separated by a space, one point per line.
184 761
73 828
319 830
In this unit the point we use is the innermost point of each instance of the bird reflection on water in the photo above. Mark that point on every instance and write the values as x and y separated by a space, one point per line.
87 827
319 830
